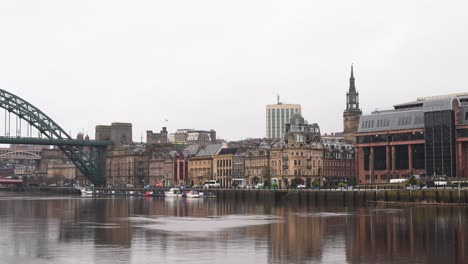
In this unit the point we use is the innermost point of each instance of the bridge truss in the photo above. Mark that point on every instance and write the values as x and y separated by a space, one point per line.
88 156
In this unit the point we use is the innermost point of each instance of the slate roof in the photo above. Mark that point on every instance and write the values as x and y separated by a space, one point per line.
209 150
191 150
395 120
227 151
406 118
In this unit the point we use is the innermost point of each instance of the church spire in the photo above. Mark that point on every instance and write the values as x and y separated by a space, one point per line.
352 86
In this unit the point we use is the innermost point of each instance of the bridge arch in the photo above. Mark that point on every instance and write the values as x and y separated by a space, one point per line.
22 154
51 130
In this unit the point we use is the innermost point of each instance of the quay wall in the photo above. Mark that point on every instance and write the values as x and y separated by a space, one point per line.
312 197
51 190
294 197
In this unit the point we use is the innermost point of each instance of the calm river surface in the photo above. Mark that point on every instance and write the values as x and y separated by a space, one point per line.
73 229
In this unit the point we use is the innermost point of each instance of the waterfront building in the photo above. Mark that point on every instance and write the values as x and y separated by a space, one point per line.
238 164
303 152
163 156
156 170
426 137
60 173
276 160
277 116
257 168
352 112
181 171
128 166
169 169
223 166
50 155
338 161
201 165
56 168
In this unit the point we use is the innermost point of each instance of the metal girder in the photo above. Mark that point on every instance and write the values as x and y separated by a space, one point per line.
47 127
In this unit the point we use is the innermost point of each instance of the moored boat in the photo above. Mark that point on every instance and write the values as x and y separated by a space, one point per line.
173 192
86 191
193 194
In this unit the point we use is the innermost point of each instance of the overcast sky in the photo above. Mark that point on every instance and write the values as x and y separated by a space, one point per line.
212 64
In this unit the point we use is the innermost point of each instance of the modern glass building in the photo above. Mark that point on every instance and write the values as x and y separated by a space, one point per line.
277 116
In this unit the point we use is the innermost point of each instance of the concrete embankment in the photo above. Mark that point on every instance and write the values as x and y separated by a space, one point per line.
311 197
307 197
51 190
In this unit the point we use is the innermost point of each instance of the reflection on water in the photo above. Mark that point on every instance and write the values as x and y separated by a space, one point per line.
41 229
201 225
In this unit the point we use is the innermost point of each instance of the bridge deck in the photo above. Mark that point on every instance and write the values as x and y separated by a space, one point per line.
55 142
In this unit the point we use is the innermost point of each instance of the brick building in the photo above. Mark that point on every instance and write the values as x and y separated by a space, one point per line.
338 161
426 137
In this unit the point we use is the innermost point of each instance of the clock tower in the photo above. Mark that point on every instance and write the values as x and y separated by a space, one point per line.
352 113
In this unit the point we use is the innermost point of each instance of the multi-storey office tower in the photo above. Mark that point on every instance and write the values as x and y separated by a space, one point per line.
277 115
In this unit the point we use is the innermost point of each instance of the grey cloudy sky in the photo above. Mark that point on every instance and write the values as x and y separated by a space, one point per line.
212 64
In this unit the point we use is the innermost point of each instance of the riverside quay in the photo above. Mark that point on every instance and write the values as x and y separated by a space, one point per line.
426 137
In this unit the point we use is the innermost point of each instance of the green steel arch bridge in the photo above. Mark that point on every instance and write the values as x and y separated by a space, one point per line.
87 155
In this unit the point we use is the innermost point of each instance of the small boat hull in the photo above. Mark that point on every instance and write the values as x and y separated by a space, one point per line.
193 194
173 192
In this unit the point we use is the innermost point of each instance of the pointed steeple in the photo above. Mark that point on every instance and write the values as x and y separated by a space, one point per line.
352 86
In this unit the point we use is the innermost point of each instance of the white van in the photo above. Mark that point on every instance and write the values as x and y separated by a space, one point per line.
240 182
211 184
397 180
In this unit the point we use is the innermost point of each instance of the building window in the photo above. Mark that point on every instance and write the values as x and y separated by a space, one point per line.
278 124
282 121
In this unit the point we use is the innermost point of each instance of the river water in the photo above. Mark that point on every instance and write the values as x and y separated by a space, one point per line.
72 229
